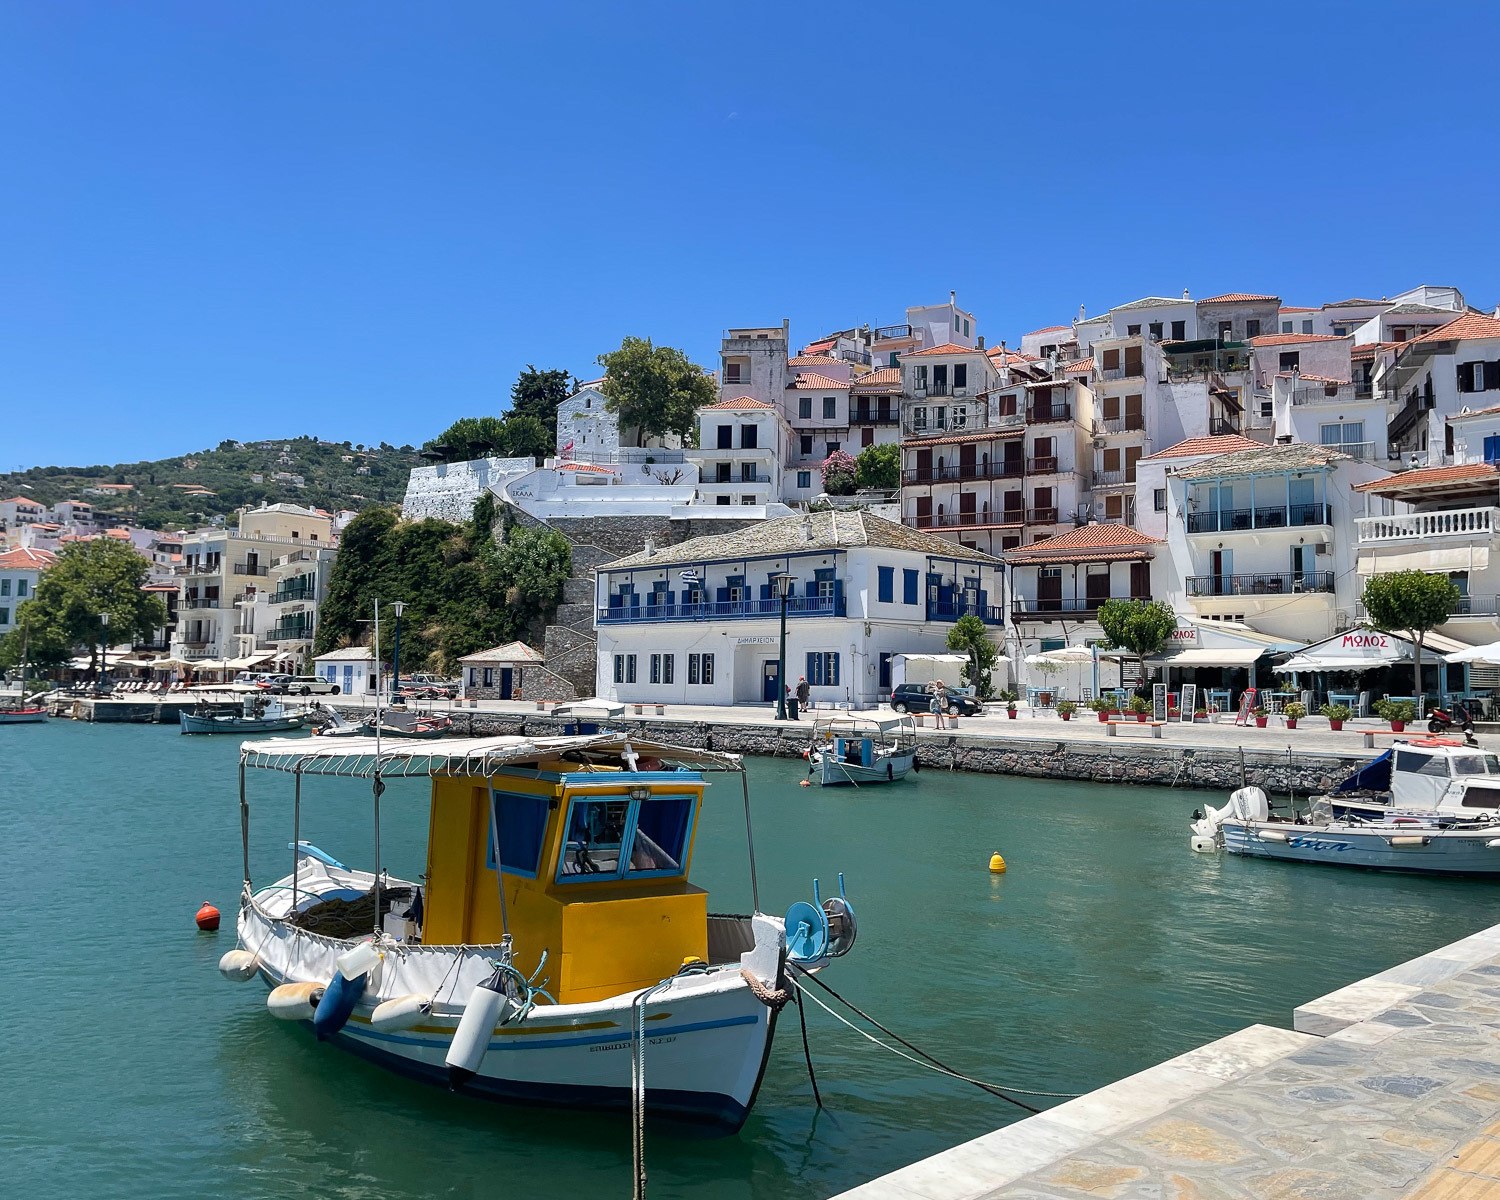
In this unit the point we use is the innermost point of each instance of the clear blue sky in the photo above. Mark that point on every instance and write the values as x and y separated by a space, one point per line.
360 220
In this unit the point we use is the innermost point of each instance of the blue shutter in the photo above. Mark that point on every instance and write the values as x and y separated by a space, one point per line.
887 577
909 583
1492 449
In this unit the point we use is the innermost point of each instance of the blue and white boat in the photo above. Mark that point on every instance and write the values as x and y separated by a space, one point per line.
858 751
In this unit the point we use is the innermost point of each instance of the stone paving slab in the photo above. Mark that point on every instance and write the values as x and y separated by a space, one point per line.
1400 1098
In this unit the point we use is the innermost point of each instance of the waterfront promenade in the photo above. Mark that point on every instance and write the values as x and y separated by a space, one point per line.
1387 1088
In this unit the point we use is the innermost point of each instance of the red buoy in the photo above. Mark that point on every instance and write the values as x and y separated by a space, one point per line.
207 918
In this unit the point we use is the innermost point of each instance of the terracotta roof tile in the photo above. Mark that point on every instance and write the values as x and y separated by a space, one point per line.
811 381
24 558
1096 542
1470 325
956 439
1236 298
945 348
812 360
742 402
1225 443
1431 477
1008 358
887 379
1048 329
1286 339
1082 367
815 347
23 500
1296 308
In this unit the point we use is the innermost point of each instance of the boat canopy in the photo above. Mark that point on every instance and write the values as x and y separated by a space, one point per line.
1374 776
362 757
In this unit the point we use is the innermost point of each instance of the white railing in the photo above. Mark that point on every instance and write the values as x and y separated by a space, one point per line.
1408 527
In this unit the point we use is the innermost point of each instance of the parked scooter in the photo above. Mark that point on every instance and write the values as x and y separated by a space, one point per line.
1441 720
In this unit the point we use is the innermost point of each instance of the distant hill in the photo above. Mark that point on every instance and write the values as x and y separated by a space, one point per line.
173 493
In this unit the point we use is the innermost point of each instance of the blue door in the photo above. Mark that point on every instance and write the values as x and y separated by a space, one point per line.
507 679
772 678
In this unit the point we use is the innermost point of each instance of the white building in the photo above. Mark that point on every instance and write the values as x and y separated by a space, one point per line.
20 569
698 623
20 511
1434 377
587 431
742 446
351 670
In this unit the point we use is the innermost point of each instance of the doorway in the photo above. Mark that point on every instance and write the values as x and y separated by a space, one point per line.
507 681
771 679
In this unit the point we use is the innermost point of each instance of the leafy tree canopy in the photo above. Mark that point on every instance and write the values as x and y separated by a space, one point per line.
655 390
526 437
1410 602
88 578
471 437
969 636
537 394
879 467
1139 626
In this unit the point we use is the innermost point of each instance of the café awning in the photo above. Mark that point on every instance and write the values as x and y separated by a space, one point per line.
1208 656
1433 558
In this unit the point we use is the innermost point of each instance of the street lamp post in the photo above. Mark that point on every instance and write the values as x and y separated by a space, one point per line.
783 584
103 651
400 607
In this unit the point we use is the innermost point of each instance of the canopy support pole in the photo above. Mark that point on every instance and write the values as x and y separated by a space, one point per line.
244 824
296 832
750 840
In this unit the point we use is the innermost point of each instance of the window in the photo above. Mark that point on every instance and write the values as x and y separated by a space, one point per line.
518 823
1252 328
749 437
1306 326
1348 434
960 375
1291 360
1179 331
595 834
656 668
1286 327
830 408
806 445
668 667
823 668
919 417
489 677
21 586
966 327
1159 499
1340 330
909 584
959 415
731 374
624 668
655 830
700 669
4 616
1226 330
1267 410
804 408
4 587
661 836
1132 331
1492 448
1155 328
725 437
887 584
832 446
804 479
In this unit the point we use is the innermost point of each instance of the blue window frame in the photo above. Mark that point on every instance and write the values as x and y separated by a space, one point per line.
909 586
1492 448
887 592
519 821
823 668
611 838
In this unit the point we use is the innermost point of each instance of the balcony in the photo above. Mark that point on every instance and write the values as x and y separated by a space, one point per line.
249 568
951 610
1057 608
1279 516
892 332
1286 583
967 520
1044 416
963 471
723 610
858 357
199 602
196 641
1044 464
1041 516
1131 423
1322 394
287 595
1109 478
197 567
865 416
1475 523
1223 426
939 387
1477 606
289 631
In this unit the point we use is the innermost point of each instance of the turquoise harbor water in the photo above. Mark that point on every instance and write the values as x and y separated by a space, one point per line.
132 1069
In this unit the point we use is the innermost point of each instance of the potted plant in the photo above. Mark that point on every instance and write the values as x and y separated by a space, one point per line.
1141 708
1337 714
1200 714
1103 707
1295 711
1066 708
1010 704
1397 712
1260 717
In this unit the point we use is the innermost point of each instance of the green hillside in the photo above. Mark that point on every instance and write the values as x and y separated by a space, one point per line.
229 472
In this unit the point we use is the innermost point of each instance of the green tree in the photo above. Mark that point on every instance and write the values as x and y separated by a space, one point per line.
470 437
526 437
655 390
537 394
969 636
1139 626
1412 603
87 580
879 467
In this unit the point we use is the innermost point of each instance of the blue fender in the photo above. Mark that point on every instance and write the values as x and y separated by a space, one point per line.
337 1003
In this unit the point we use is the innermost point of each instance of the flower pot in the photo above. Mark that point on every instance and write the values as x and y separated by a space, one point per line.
1103 716
1398 726
1291 722
1065 716
1335 725
1011 713
1260 722
1141 718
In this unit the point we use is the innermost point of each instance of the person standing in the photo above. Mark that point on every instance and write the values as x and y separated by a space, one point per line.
939 702
803 691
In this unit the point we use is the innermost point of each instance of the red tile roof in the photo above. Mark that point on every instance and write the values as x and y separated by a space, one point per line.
1477 412
812 360
1433 477
1286 339
814 347
1082 367
1048 329
954 439
811 381
1225 443
945 348
884 380
742 402
1089 542
1008 358
1372 347
1296 308
22 500
24 558
1236 298
1470 325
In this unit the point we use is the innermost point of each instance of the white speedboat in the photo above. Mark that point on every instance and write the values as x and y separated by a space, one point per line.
1422 774
554 951
1424 842
862 750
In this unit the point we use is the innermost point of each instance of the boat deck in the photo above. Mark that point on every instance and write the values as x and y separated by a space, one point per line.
1388 1087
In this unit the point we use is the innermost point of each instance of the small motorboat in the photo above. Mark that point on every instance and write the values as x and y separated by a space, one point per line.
1421 774
862 750
259 713
393 723
16 711
1420 841
330 722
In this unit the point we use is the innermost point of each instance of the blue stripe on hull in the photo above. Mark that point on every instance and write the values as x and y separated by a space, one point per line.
531 1042
1345 850
717 1114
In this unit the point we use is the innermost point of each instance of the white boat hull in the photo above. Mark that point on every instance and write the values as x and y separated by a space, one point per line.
1387 848
832 771
708 1036
22 716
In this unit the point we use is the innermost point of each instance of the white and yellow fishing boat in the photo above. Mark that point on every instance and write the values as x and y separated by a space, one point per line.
588 965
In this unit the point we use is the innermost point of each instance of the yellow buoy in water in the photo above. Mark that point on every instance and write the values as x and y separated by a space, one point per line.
997 864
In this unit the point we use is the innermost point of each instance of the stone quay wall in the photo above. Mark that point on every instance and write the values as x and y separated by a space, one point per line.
1150 764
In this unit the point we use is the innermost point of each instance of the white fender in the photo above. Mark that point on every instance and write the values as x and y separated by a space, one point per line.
401 1012
1271 835
472 1038
294 1001
361 960
239 965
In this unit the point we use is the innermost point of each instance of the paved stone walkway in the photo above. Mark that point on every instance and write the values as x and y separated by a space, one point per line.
1399 1098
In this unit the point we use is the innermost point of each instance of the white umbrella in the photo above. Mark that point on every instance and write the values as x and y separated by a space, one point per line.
1067 656
1487 655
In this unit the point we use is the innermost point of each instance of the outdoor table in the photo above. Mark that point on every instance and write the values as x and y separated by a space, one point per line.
1276 701
1220 699
1349 699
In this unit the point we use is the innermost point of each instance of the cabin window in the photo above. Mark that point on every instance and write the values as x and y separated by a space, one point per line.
661 832
518 823
1477 764
1422 764
596 831
655 830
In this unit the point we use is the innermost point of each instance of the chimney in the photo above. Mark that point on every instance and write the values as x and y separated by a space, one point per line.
953 298
1184 293
981 341
1283 439
650 546
807 528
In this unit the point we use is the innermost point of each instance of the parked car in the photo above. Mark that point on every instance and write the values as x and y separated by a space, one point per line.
914 697
307 685
274 683
426 686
